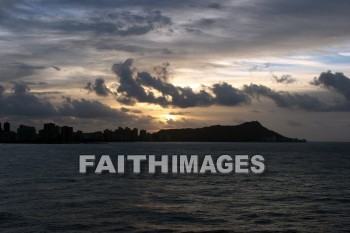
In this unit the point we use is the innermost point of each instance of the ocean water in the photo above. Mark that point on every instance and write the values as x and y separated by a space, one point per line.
305 188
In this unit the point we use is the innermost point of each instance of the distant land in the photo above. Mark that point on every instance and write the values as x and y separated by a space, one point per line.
52 133
247 132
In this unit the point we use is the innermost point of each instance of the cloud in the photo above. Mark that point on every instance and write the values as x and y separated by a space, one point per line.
2 90
98 87
294 123
183 123
89 109
215 5
123 109
288 100
293 24
286 78
178 113
21 102
345 54
107 22
14 71
20 88
227 95
336 82
135 86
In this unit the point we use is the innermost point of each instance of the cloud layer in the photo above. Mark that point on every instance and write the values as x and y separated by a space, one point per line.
21 102
140 86
145 88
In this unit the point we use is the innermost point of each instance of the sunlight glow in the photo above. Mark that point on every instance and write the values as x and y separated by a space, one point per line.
169 117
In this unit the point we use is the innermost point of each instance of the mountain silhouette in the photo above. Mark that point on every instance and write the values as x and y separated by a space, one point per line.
247 132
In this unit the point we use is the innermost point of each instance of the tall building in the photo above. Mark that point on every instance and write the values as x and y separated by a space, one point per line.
50 133
67 134
135 134
143 135
26 133
108 135
6 127
7 135
127 134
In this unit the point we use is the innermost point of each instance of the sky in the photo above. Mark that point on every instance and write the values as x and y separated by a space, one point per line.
156 64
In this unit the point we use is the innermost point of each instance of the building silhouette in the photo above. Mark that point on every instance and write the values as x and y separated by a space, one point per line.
66 134
26 133
135 134
6 127
6 135
143 135
52 133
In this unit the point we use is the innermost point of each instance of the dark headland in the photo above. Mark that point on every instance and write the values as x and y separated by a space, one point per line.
247 132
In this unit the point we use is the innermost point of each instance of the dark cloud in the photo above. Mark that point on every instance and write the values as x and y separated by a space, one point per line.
129 88
228 95
20 88
285 99
123 109
205 22
2 90
56 68
248 26
336 82
288 100
286 78
89 109
193 30
106 22
21 102
142 87
52 30
14 71
98 87
215 5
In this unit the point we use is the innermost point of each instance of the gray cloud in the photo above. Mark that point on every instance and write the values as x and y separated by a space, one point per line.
20 88
109 22
215 5
288 100
336 82
286 78
228 28
142 86
14 71
228 95
89 109
123 109
21 102
2 90
98 87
